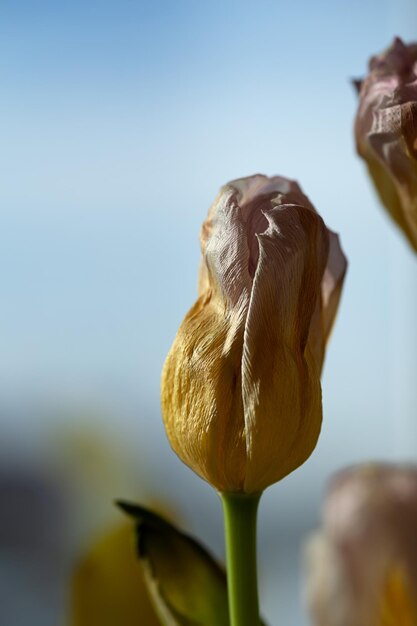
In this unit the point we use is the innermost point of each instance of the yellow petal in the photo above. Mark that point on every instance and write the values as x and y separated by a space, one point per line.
397 605
201 396
108 586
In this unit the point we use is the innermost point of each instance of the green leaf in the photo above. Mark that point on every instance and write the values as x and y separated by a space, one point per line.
187 586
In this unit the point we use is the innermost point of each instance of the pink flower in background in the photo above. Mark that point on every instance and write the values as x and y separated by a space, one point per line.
386 131
362 566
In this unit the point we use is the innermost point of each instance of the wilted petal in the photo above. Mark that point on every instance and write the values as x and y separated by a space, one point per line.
328 304
279 377
226 252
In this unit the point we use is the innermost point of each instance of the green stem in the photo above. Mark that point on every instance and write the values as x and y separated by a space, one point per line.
240 531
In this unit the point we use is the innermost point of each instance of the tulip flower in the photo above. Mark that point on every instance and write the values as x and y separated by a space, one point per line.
241 395
386 132
108 586
363 564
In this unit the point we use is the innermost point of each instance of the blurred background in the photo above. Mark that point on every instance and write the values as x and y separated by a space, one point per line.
119 122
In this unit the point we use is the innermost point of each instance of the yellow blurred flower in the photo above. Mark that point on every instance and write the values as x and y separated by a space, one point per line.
386 132
241 395
362 567
108 587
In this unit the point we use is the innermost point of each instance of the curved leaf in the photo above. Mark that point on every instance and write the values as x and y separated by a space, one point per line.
187 585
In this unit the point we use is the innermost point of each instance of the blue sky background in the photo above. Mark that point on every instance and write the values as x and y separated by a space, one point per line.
119 121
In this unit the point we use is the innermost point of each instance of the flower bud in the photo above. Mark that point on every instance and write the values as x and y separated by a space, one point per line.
241 396
386 132
363 564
